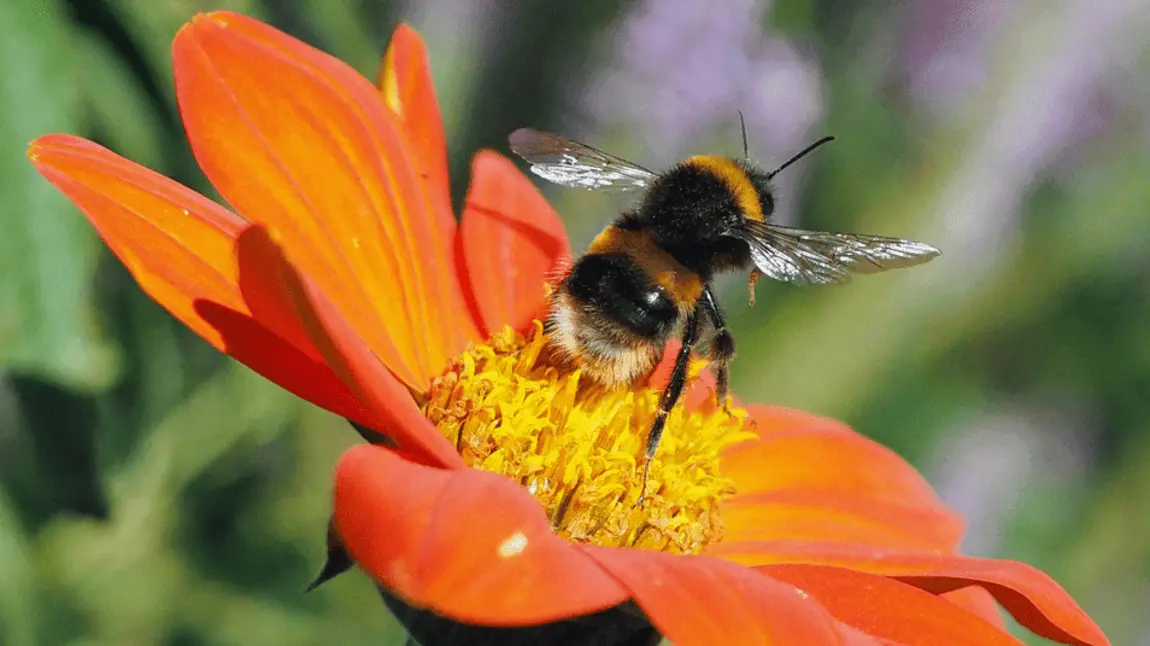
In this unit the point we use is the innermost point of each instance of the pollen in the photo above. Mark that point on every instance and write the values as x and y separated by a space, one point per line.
579 448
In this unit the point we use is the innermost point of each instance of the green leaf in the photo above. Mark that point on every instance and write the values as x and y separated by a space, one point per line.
47 251
17 595
344 32
127 123
152 26
794 18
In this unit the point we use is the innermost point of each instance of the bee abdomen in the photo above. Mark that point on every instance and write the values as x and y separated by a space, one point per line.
615 288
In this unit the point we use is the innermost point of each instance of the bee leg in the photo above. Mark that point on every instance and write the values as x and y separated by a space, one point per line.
722 346
751 282
723 379
670 395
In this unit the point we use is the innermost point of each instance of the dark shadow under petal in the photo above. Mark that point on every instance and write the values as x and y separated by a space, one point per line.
622 625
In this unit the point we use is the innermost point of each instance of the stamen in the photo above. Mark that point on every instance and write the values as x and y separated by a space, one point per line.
578 447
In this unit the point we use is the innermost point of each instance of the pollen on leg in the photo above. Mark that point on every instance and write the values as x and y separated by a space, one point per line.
578 447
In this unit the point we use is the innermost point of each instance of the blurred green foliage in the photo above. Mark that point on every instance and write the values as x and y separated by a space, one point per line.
154 492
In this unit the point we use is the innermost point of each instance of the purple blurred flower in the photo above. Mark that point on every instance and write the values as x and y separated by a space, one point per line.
682 67
988 467
949 49
1054 66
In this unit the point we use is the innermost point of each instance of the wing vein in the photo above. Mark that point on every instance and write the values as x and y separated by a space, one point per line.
825 258
570 163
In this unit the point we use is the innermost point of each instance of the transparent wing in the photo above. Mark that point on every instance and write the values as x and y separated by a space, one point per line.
823 258
791 261
570 163
862 254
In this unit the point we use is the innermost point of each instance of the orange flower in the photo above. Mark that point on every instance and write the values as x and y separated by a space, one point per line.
349 282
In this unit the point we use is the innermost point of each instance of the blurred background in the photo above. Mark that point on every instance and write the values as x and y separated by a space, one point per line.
154 492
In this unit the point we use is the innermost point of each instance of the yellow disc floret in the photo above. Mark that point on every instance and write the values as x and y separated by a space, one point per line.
578 447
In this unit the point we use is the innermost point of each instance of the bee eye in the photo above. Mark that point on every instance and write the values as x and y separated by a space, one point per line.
767 202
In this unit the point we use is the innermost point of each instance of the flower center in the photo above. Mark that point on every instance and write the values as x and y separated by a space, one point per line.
579 447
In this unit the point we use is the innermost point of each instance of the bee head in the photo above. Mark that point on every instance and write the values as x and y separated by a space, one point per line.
762 183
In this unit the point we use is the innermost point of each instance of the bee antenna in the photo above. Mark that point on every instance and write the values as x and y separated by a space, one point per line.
803 153
743 126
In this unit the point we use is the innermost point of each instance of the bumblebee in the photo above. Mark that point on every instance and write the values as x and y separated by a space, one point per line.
648 276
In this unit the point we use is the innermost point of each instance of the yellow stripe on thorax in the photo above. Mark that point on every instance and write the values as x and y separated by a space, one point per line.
681 284
736 179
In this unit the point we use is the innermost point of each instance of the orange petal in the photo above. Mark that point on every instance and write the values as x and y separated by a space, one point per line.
512 244
470 545
798 451
408 91
698 600
1032 597
1028 594
297 141
979 603
180 248
890 610
282 363
832 515
268 278
177 243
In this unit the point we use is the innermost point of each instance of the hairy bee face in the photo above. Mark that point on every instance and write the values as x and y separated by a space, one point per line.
762 184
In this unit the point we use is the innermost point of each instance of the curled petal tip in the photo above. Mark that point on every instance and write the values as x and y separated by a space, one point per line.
184 32
38 146
405 29
204 21
220 18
